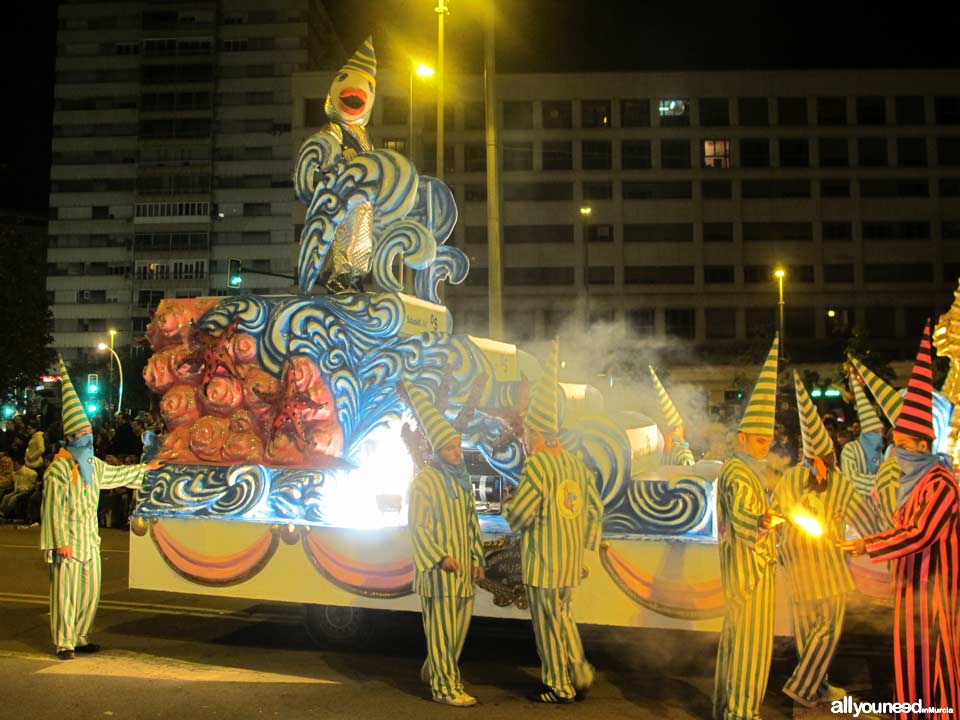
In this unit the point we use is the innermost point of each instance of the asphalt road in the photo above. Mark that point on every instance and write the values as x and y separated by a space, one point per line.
184 657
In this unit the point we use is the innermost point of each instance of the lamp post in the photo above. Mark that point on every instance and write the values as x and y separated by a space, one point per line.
441 9
494 235
779 273
419 70
585 212
104 346
113 335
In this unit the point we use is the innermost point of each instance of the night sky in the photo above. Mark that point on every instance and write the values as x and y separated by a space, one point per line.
532 36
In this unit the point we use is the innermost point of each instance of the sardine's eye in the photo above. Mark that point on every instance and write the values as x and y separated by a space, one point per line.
90 461
341 77
370 84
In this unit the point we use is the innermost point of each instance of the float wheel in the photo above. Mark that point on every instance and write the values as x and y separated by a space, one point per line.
340 626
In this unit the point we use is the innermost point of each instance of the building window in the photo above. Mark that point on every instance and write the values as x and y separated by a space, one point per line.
880 321
948 151
597 154
754 152
834 188
599 233
537 234
714 112
894 188
794 152
473 118
475 235
910 110
635 154
658 275
911 152
800 273
899 231
773 189
518 156
801 322
642 321
557 155
792 111
674 154
517 115
603 275
838 321
635 113
603 315
721 323
837 231
872 151
538 276
718 275
674 112
718 232
657 232
757 274
557 114
595 113
656 190
598 190
834 152
898 273
716 189
475 192
394 111
838 274
149 298
680 322
946 109
831 111
777 232
537 192
871 110
428 163
716 153
950 230
753 111
950 187
475 157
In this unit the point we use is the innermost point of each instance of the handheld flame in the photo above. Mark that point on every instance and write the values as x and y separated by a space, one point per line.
809 524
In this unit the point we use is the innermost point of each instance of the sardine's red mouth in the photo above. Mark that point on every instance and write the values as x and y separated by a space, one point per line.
352 101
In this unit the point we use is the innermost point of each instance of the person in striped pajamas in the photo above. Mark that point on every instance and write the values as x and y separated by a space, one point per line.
924 545
748 555
558 512
447 552
675 446
69 534
860 458
817 573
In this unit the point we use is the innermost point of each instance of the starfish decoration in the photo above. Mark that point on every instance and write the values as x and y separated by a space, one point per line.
289 404
211 352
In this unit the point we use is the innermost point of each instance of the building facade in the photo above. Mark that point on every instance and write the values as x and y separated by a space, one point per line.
171 154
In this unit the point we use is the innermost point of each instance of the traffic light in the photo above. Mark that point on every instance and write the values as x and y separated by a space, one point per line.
234 273
9 411
93 408
93 383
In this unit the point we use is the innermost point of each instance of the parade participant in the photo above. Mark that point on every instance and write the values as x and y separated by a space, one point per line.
817 573
748 555
558 512
350 101
676 449
447 551
861 457
69 536
924 545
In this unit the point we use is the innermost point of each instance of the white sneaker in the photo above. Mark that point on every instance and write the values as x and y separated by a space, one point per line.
461 700
834 693
425 673
582 676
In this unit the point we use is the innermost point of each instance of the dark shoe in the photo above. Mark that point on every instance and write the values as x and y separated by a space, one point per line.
88 648
65 654
549 695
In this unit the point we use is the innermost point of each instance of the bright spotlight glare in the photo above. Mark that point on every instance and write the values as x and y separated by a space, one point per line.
101 346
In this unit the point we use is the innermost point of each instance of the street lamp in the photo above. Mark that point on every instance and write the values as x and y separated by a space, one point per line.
113 335
441 9
424 71
779 273
103 346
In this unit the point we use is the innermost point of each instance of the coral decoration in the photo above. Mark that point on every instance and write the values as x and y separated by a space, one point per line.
222 407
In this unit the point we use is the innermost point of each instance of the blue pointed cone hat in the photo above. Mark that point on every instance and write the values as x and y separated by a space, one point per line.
364 60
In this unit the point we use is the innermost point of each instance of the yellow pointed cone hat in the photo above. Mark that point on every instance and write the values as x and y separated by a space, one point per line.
435 426
74 418
887 398
816 441
543 414
758 418
869 421
671 416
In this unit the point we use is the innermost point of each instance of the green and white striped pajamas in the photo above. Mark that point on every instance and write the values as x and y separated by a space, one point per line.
817 572
443 523
70 519
747 569
853 463
558 512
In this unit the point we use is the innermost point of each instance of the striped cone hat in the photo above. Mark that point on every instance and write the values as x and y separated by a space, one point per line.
887 398
74 418
543 413
364 60
434 425
869 421
816 441
758 418
916 413
671 416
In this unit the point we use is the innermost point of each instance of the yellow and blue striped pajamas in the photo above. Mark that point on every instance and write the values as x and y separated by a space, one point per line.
558 512
70 518
443 522
747 569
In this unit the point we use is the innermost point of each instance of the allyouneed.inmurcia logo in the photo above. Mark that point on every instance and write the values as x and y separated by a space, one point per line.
849 706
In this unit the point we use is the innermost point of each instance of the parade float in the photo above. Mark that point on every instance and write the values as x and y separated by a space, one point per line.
289 448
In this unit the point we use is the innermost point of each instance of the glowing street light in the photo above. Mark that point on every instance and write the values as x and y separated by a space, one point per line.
104 346
585 210
779 273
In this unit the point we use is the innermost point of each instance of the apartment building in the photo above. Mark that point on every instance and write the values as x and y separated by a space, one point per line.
171 154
